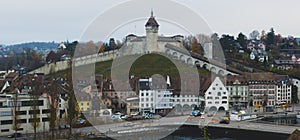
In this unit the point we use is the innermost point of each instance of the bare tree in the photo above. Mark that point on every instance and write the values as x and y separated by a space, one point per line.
16 108
34 113
52 89
72 108
34 98
254 35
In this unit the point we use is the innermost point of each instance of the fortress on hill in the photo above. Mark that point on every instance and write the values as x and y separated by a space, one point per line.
152 42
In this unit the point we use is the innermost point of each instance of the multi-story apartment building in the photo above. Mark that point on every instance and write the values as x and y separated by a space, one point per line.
84 102
267 89
191 97
24 111
115 97
154 96
237 87
283 89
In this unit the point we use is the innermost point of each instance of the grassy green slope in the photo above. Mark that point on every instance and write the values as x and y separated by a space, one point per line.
147 65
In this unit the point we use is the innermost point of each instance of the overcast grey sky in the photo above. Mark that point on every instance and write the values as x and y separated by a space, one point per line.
57 20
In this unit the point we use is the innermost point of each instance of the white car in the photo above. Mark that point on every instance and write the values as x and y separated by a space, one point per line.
116 117
124 116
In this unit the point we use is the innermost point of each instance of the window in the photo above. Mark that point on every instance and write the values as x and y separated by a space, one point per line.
6 122
213 88
6 113
21 112
45 119
224 93
4 130
224 97
32 120
147 94
219 93
221 88
209 97
216 97
142 105
216 102
22 121
208 102
142 94
224 102
34 111
29 103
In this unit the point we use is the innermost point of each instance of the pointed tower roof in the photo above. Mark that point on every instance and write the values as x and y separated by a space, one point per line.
151 21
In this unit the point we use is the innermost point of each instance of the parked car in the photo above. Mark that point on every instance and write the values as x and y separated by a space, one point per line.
14 135
225 120
116 116
196 113
148 115
91 135
124 116
81 120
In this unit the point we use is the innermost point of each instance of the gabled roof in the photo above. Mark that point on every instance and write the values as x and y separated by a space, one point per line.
231 79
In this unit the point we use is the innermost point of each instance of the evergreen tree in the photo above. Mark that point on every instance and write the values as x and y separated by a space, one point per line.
271 37
242 40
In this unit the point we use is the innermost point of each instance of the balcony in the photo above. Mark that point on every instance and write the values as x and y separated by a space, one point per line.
236 96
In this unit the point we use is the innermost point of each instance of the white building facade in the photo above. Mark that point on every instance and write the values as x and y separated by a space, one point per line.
216 96
284 91
153 100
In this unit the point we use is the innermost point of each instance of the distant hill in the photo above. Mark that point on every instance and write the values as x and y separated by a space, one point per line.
37 46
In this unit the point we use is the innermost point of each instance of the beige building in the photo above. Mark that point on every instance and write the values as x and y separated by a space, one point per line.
24 111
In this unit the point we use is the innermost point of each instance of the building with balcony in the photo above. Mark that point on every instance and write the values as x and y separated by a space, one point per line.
154 96
237 87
